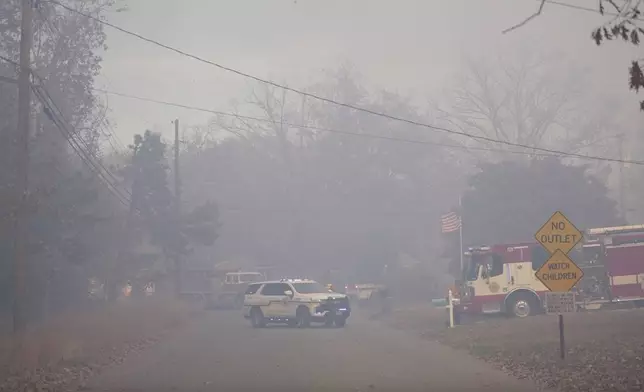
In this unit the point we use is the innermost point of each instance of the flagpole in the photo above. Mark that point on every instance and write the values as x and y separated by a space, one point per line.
460 231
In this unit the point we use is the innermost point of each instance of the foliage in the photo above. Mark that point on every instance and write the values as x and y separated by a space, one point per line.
153 205
508 201
74 220
309 199
623 26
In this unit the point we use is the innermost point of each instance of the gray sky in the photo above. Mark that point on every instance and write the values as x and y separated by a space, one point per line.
409 46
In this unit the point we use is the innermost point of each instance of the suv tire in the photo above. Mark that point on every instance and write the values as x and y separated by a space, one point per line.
328 320
340 322
257 318
292 323
303 317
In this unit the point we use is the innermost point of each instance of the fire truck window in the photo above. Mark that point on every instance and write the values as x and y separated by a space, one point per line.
473 271
539 257
577 256
591 255
496 266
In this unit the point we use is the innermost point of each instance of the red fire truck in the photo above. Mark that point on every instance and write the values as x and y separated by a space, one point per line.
501 278
614 265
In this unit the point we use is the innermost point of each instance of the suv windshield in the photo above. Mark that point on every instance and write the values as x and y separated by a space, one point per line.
309 288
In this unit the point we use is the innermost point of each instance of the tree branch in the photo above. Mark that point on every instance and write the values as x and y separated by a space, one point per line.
528 19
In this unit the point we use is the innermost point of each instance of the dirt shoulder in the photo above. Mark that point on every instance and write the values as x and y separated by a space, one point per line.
70 348
604 349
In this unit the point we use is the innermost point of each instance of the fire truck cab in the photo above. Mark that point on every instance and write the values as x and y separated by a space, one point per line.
501 279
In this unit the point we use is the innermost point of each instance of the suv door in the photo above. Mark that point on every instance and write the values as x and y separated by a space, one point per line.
250 297
278 301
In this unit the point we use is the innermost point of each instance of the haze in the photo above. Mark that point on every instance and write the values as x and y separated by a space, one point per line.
323 195
411 47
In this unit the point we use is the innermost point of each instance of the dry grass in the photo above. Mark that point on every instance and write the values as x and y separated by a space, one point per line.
78 337
604 349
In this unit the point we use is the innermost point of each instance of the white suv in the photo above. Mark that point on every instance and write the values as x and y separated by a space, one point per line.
296 302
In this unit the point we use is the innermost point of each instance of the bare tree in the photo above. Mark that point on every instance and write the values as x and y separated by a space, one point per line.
524 99
326 198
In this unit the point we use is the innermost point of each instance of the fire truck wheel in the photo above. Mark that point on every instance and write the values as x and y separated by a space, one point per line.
521 305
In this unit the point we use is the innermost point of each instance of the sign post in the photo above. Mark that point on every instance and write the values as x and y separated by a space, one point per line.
559 273
559 303
450 308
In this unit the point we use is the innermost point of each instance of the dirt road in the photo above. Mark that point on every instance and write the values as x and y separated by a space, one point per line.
223 353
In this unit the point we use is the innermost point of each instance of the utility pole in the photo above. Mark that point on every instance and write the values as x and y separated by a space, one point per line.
302 122
622 203
20 241
177 200
177 177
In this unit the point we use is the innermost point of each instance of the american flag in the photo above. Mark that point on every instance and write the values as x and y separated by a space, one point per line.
450 222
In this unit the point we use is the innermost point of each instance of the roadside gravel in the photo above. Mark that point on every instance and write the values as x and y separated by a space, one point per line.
604 349
62 355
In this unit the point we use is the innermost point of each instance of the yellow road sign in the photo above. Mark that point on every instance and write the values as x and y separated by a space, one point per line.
559 273
558 233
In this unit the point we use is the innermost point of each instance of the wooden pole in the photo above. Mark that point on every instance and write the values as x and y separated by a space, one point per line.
562 341
21 234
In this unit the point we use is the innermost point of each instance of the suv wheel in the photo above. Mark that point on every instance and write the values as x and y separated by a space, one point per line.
340 322
257 318
328 320
303 317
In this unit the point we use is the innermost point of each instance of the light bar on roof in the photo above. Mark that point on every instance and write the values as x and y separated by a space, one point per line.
615 230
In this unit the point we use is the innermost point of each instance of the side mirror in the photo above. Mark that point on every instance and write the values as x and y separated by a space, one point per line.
288 293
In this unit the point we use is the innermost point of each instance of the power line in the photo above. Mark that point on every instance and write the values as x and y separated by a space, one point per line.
55 115
331 130
108 130
332 101
6 79
71 134
49 102
364 135
313 128
51 110
108 133
111 137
